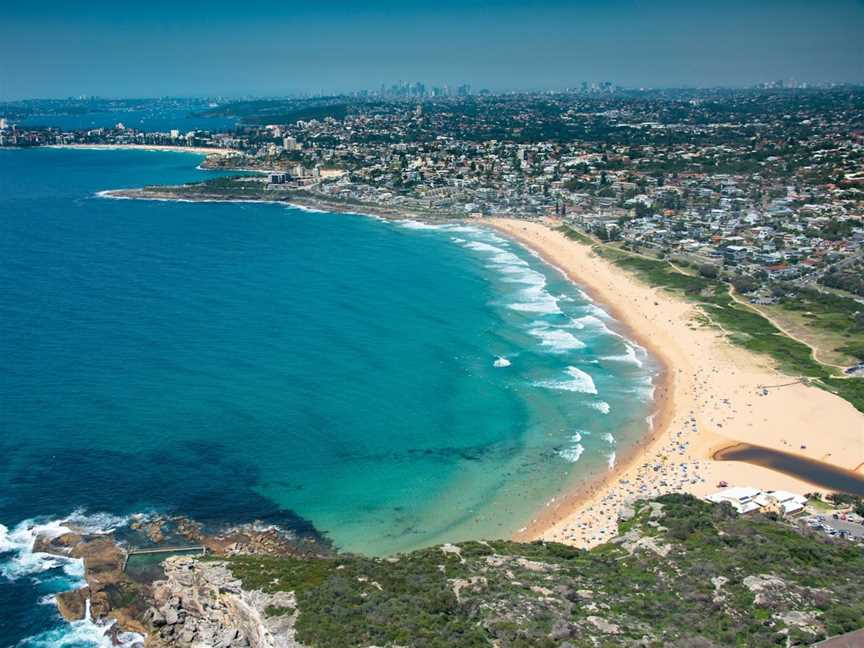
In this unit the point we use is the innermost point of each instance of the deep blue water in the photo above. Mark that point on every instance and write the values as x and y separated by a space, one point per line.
387 385
157 119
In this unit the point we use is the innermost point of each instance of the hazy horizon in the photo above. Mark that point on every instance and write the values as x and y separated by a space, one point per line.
276 49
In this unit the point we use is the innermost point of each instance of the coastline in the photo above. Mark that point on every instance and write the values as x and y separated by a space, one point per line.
709 396
696 413
200 150
306 203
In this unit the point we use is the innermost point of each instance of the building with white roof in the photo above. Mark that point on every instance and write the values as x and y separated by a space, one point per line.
745 499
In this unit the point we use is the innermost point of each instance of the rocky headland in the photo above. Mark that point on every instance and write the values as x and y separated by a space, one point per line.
681 572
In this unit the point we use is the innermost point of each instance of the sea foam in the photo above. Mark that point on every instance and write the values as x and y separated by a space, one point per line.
629 356
19 541
575 450
601 406
579 381
557 340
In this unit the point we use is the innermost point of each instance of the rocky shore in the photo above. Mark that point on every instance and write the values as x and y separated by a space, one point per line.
182 601
249 192
200 603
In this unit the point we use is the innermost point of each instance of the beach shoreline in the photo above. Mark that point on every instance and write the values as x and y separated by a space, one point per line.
157 148
686 427
710 396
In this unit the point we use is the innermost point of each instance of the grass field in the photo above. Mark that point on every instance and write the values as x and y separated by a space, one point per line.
745 326
829 323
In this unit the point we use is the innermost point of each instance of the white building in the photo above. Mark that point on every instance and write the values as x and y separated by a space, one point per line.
788 502
745 499
742 498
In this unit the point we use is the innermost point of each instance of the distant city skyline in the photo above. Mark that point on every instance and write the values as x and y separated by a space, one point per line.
265 48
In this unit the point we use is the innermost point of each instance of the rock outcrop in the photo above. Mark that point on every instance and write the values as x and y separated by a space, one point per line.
201 604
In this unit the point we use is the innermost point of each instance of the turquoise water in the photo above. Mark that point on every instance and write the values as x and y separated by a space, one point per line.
387 385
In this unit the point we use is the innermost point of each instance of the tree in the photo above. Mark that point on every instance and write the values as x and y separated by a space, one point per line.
643 210
708 271
744 284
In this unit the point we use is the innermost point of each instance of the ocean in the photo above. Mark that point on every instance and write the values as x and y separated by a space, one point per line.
156 119
385 385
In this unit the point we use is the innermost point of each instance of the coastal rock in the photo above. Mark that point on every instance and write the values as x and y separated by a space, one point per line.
474 583
603 625
59 545
765 587
128 622
202 604
626 513
72 605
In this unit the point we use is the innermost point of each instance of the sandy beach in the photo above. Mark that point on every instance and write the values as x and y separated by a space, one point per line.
711 395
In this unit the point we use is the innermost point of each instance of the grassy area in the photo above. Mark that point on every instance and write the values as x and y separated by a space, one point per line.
745 326
829 322
692 590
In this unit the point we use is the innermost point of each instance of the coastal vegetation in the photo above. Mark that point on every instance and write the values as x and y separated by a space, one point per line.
682 572
833 323
743 325
279 111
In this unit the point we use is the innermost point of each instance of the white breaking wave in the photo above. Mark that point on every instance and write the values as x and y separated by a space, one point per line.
418 225
629 356
95 523
611 460
21 561
523 275
646 389
608 438
481 246
575 449
593 321
572 454
506 258
468 229
589 321
556 339
20 540
78 634
310 210
501 362
596 310
600 406
500 256
534 298
544 304
579 382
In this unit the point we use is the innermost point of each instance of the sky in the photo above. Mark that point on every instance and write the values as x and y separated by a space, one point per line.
60 48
